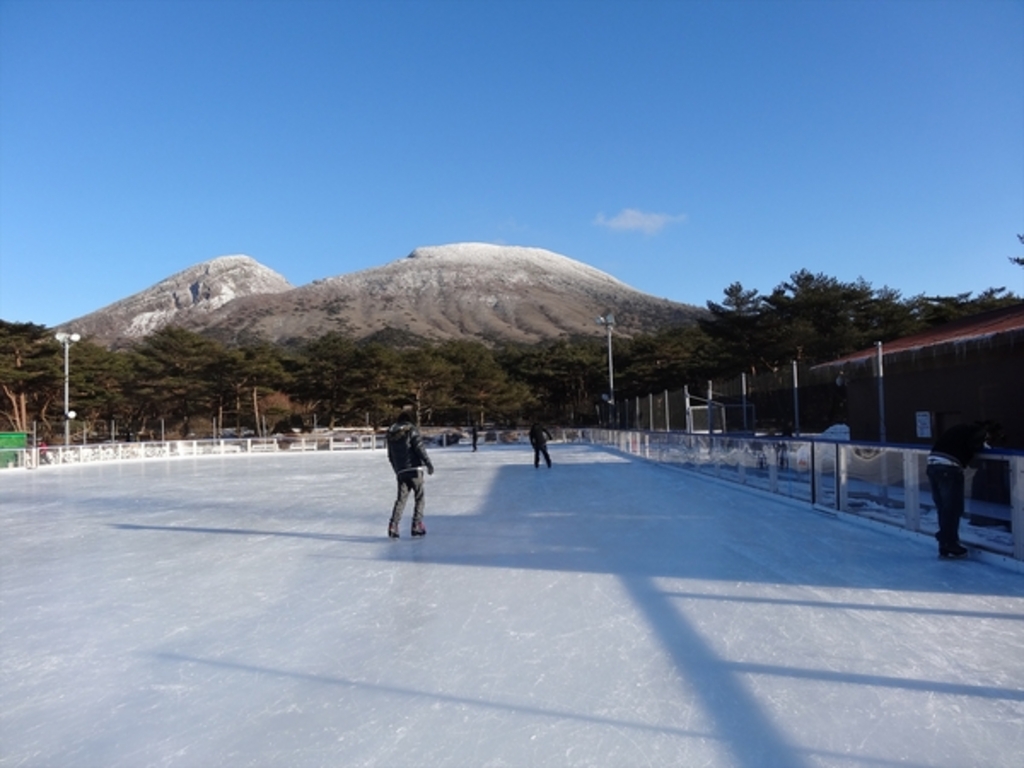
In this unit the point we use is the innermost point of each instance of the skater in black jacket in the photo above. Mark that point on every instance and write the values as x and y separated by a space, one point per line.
952 452
539 440
408 457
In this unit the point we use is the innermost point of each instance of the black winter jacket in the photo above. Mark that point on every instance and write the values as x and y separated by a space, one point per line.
539 436
405 448
961 443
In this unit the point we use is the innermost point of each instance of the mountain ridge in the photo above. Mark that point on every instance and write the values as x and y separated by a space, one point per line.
494 293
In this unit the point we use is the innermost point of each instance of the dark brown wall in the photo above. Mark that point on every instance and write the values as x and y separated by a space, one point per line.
962 383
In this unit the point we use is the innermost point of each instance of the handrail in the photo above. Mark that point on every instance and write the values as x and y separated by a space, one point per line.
883 483
59 455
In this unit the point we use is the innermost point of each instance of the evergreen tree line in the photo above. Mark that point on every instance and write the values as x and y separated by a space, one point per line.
185 384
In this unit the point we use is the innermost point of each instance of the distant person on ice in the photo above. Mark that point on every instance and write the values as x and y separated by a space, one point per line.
950 455
539 440
408 457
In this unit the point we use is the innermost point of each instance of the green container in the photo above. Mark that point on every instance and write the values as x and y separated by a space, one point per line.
11 443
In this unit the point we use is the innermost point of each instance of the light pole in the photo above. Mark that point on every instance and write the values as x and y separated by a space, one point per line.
67 339
608 321
879 355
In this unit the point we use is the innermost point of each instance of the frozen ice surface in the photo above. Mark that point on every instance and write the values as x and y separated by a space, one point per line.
250 611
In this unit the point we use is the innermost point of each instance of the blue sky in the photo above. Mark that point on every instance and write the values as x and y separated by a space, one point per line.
679 146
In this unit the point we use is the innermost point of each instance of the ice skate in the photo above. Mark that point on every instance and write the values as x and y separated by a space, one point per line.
392 530
953 551
418 529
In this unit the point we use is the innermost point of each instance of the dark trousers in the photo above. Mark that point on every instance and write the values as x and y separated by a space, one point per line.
537 451
948 492
409 481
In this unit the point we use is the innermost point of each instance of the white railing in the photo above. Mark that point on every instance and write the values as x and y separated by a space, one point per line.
887 484
53 456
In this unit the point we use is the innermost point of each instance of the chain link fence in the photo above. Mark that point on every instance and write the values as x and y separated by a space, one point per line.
794 400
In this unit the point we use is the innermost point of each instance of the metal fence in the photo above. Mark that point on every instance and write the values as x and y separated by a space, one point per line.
88 453
883 483
886 484
795 399
31 458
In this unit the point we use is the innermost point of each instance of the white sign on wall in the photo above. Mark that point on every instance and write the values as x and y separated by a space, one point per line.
924 424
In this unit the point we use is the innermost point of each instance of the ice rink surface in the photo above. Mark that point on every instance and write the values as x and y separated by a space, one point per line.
250 611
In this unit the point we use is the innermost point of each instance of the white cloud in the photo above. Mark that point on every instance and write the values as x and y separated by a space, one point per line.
630 219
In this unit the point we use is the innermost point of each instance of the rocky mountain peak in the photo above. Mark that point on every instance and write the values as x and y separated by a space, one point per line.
200 289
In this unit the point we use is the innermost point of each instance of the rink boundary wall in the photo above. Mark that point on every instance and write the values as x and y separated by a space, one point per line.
90 453
45 456
880 485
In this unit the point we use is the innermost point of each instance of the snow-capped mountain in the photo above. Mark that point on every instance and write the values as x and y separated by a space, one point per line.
488 292
185 298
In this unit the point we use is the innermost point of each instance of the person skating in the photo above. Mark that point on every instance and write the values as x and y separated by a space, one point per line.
408 457
539 440
951 453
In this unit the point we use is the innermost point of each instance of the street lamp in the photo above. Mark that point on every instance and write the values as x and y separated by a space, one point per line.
608 321
67 339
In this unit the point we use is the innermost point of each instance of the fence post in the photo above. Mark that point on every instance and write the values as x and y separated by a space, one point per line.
911 491
880 355
842 478
743 398
796 401
711 415
816 470
1017 505
686 405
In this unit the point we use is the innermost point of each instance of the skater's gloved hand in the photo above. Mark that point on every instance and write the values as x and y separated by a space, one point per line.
430 469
